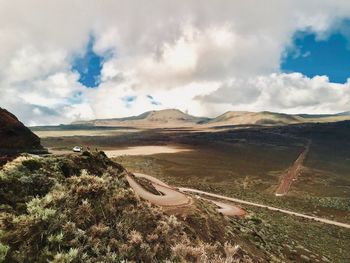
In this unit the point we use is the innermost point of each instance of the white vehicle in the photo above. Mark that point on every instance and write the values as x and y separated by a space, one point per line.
77 149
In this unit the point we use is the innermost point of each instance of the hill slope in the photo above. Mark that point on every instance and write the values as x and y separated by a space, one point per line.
82 209
151 119
14 136
258 118
323 118
173 118
273 118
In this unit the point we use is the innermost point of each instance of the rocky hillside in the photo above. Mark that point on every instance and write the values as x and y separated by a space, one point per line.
80 208
15 137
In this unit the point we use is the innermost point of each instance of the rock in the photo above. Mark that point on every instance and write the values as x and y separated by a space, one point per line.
15 137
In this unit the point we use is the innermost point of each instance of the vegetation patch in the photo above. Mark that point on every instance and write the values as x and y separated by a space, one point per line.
90 214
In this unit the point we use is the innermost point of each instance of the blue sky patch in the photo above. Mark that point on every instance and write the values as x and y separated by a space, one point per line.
76 98
312 56
153 101
89 66
129 100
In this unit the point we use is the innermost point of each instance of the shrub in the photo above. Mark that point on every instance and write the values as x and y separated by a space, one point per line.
96 217
68 257
86 153
3 251
36 208
69 168
32 164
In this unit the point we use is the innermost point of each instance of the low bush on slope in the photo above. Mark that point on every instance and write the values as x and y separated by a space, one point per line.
81 209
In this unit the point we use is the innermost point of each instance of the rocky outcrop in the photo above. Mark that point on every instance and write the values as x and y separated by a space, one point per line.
15 137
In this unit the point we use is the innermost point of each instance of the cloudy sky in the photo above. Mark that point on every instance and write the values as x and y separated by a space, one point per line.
78 59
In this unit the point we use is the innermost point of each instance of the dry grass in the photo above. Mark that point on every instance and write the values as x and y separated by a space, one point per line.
81 209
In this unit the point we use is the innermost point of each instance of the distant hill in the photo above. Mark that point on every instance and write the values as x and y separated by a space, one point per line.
273 118
173 118
15 137
256 118
346 113
342 116
151 119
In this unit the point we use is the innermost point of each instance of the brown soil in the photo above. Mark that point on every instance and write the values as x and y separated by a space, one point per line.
292 172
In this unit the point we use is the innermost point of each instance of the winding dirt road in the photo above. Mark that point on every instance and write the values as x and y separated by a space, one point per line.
323 220
174 198
170 197
177 197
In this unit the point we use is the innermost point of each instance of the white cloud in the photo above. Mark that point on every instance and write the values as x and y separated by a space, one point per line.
200 56
40 87
290 93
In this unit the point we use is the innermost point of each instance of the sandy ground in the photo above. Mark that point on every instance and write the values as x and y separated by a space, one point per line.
137 150
173 197
47 134
144 150
228 210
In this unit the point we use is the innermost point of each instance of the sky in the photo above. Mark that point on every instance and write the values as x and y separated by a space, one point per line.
62 61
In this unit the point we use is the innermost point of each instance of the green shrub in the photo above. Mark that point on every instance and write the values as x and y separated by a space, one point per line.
86 153
32 164
90 214
3 251
68 257
36 208
69 168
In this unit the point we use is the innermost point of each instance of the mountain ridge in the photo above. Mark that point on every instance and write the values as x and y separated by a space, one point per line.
170 118
167 118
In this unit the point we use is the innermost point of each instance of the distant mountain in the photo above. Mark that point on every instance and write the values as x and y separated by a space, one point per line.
346 113
274 118
308 116
15 137
256 118
172 118
150 119
342 116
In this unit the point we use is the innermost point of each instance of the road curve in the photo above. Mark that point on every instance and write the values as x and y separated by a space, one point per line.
174 198
170 197
319 219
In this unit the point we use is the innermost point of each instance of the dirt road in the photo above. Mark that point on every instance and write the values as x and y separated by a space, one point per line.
292 172
174 198
323 220
170 197
177 198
